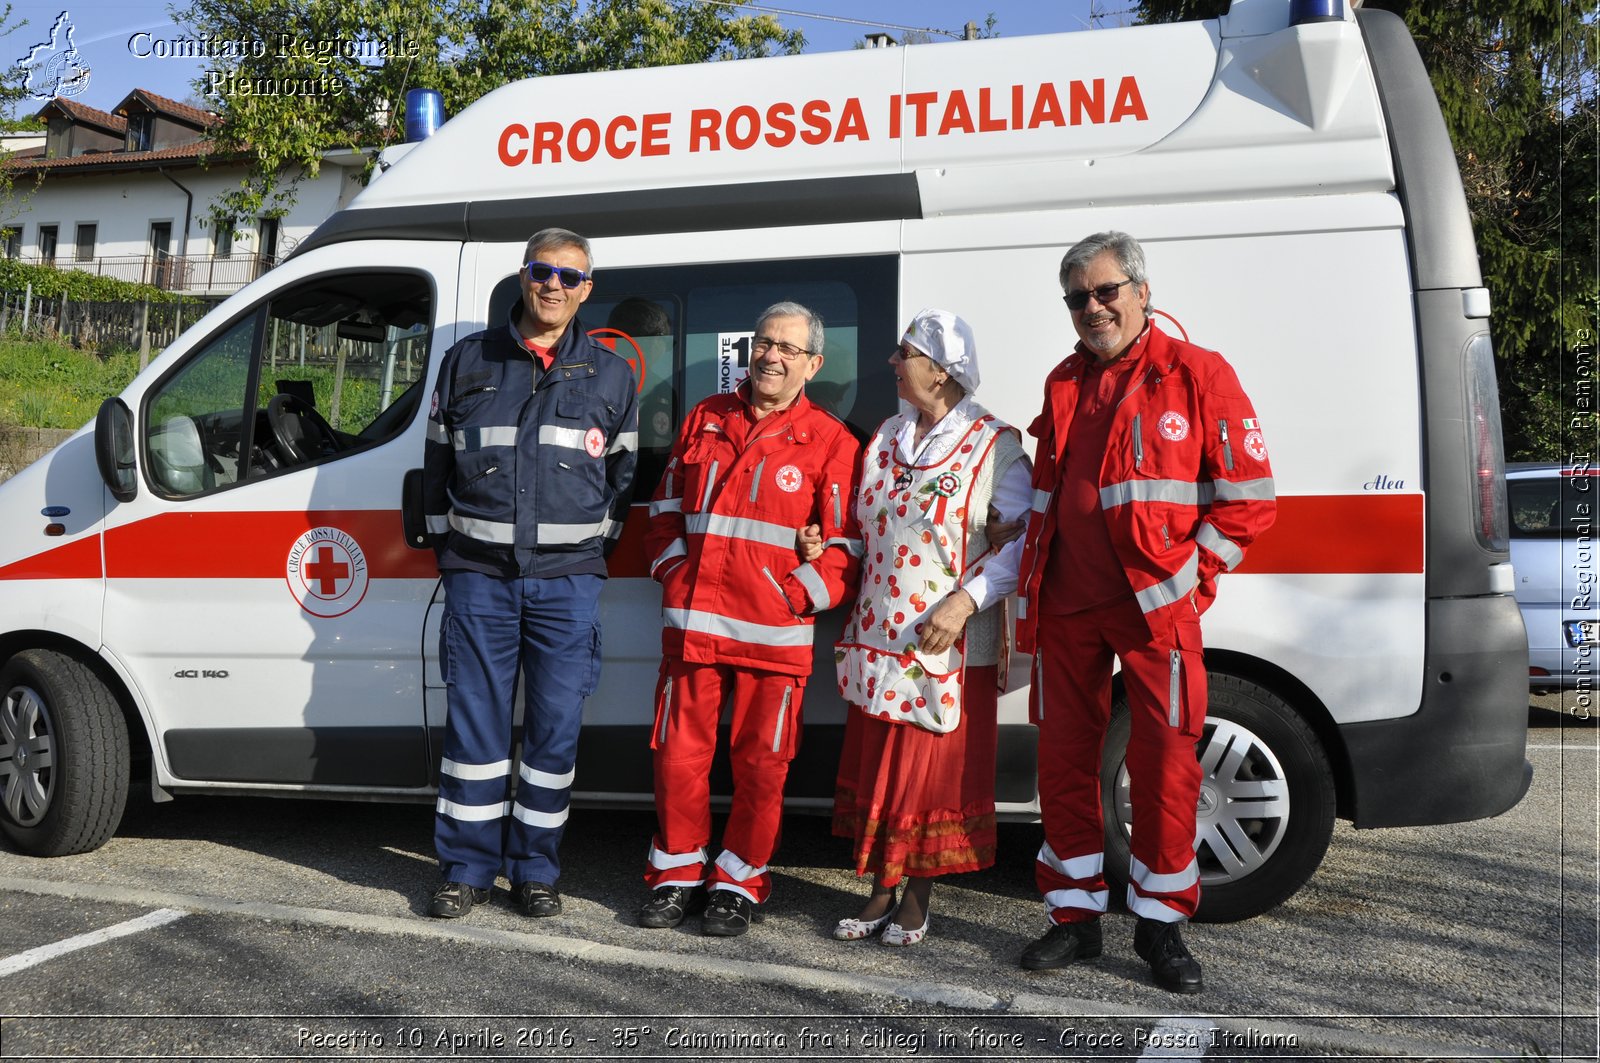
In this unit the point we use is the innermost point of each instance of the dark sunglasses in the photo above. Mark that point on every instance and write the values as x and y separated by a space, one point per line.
1104 295
539 272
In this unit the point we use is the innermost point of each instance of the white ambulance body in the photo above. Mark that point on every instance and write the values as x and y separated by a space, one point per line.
241 586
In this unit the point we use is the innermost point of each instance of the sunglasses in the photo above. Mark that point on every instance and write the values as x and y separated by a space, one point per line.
1104 295
539 272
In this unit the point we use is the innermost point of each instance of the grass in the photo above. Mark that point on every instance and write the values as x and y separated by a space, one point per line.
48 384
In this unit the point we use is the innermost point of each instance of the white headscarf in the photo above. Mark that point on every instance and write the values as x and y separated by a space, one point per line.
948 340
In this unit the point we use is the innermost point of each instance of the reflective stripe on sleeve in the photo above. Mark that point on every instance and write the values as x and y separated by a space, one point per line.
1179 492
666 505
1220 545
488 531
1172 589
742 630
677 548
811 580
746 528
457 770
853 547
438 523
1261 490
487 436
437 432
624 441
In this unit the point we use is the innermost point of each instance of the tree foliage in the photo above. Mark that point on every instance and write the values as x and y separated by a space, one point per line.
318 84
1516 81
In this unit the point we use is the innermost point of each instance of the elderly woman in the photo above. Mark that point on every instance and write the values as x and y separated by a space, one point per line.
919 659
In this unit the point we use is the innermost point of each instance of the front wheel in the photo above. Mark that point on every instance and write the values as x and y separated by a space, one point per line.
1266 807
63 755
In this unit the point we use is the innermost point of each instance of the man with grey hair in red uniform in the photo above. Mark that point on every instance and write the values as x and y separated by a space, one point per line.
1151 479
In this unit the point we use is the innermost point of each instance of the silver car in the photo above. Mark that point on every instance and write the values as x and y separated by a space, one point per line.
1554 508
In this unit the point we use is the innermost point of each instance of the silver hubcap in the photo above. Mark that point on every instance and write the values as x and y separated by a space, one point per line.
1243 810
27 756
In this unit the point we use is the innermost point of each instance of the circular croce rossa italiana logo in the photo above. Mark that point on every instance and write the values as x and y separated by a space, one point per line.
327 572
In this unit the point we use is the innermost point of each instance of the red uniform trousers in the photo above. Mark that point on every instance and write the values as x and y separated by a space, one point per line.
765 728
1165 681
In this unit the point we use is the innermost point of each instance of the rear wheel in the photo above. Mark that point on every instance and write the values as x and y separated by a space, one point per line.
1266 808
63 755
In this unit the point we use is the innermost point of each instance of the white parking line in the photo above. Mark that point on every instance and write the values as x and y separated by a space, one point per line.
1179 1039
33 957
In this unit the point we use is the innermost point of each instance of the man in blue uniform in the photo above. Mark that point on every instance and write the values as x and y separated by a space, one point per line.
532 436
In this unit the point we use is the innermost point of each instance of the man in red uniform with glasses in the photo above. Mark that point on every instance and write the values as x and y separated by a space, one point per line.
1151 479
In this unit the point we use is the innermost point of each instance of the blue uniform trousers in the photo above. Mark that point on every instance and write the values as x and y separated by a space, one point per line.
551 628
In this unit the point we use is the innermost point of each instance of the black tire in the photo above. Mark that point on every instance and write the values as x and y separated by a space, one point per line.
63 755
1253 742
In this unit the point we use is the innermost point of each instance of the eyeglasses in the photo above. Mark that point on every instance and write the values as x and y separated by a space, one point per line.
539 272
907 352
788 351
1105 295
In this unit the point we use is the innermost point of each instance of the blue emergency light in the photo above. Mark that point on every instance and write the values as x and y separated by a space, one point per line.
424 113
1304 11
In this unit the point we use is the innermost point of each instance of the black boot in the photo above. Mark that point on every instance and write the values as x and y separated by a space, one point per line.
1063 944
1160 945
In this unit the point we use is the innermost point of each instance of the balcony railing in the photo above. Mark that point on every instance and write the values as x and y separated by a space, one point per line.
195 273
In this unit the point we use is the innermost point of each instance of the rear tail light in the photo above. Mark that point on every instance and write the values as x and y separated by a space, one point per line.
1486 445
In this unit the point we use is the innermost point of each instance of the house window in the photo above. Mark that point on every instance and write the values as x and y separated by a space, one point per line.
139 131
13 241
47 244
222 237
85 248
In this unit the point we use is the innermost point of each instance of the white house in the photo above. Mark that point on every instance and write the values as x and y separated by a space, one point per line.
130 193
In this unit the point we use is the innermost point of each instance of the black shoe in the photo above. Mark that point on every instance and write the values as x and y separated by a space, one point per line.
538 899
1063 944
455 899
728 914
670 905
1160 945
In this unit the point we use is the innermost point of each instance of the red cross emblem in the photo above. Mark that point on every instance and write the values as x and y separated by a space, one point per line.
1174 426
327 572
790 478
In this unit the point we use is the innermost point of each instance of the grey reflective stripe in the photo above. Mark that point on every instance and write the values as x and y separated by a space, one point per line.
1178 492
666 505
1041 501
747 528
1038 684
489 531
534 818
666 710
854 547
767 572
744 631
1220 545
711 480
811 580
1260 490
1227 447
1174 882
1138 442
488 436
545 779
1175 689
438 524
755 480
559 534
838 508
783 711
1173 589
551 435
624 441
678 548
437 432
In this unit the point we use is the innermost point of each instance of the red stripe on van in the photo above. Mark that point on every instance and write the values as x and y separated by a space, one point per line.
79 559
255 545
1340 533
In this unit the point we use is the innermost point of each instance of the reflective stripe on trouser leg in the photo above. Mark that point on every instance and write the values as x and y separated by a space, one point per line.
560 657
766 719
479 633
689 699
1074 673
1163 772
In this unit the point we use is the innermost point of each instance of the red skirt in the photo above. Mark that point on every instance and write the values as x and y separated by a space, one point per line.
919 803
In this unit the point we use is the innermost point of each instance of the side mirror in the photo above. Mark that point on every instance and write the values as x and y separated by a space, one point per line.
113 449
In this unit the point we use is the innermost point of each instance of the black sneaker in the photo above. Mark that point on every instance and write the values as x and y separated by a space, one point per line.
1160 945
670 905
455 899
1063 944
537 899
728 914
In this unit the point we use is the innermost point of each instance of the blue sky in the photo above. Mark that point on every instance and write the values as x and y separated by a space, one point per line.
103 29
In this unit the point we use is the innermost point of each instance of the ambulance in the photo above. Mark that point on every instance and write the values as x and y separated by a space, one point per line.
221 585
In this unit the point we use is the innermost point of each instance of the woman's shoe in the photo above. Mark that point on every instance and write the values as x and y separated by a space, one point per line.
856 929
897 936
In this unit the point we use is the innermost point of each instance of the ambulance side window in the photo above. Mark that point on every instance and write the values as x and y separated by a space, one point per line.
327 367
690 327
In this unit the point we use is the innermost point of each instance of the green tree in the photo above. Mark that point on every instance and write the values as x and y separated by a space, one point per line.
306 94
13 98
1516 82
